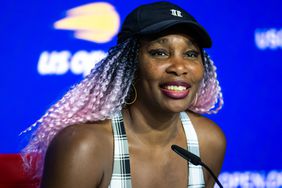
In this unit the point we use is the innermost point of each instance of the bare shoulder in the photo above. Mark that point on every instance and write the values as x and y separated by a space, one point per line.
79 154
84 136
208 131
83 139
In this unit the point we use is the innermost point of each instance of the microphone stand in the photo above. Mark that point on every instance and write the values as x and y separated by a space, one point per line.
195 160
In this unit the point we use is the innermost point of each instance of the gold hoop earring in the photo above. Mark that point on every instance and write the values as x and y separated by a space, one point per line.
135 95
195 100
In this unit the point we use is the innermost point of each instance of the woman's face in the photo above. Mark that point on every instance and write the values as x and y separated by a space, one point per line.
170 72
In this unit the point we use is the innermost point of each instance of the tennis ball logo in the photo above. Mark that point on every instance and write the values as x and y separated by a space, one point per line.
96 22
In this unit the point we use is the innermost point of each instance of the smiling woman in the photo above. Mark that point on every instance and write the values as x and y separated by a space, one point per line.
116 127
171 68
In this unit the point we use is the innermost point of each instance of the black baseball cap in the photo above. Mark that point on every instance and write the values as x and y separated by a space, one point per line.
150 19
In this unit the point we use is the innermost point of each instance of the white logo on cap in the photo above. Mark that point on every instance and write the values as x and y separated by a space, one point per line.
176 13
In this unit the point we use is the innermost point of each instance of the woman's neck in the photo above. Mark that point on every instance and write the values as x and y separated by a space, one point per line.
150 126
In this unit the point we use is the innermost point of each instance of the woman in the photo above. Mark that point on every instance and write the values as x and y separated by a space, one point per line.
116 127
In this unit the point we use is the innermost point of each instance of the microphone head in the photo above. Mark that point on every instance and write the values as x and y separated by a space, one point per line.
194 159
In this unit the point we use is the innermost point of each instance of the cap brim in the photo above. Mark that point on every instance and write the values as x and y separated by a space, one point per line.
197 31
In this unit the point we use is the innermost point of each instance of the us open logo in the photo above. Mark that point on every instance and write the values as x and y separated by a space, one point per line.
94 22
268 39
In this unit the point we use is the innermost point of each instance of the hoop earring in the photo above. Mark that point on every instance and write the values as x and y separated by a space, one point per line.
135 95
195 100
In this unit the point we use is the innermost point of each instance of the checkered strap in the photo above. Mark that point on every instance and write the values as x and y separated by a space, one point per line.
121 168
196 177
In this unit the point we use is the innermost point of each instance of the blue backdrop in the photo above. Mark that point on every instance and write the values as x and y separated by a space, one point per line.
43 52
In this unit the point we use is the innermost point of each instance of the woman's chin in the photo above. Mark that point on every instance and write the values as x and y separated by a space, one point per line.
177 108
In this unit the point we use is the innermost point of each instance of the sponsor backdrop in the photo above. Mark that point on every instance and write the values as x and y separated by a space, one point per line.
47 46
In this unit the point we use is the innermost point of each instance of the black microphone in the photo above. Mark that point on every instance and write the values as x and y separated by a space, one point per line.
195 160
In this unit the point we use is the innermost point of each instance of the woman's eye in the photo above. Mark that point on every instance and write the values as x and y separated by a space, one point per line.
192 53
158 53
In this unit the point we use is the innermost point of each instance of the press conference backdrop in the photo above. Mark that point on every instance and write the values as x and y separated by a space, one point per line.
47 46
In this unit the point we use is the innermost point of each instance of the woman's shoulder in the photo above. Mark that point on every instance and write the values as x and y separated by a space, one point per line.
87 136
84 134
83 148
212 143
207 128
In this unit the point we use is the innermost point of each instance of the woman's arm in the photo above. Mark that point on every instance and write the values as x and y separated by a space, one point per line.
215 150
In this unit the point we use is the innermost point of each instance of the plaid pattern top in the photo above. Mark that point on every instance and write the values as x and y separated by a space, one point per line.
121 177
196 176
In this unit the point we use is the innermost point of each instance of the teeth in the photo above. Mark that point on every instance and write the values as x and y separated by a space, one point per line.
176 88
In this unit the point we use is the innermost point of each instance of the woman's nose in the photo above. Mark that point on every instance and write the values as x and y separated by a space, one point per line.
177 67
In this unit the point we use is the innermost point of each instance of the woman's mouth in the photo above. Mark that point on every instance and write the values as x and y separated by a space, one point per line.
175 90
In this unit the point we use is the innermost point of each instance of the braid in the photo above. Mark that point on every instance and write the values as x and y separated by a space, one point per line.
97 97
209 94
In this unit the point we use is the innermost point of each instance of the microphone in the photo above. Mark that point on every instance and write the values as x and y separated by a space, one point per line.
195 160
